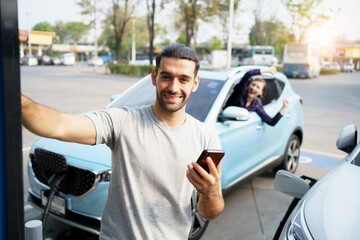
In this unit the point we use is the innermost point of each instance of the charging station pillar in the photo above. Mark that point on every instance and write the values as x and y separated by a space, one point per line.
11 173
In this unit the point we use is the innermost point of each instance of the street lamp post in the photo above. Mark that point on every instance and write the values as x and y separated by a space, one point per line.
229 47
95 38
334 11
28 14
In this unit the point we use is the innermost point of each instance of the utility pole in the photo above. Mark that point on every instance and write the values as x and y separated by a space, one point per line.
28 14
229 47
95 38
133 43
335 12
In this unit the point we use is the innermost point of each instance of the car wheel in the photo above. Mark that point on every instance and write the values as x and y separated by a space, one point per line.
198 223
291 155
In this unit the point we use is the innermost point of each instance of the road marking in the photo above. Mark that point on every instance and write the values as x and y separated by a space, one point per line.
318 159
338 156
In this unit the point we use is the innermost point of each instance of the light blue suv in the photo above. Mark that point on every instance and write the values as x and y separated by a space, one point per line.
79 175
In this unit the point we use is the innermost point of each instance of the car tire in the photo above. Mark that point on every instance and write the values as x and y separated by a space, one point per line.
198 223
291 155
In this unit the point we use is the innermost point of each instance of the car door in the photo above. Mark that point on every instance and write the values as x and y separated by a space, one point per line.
242 142
246 143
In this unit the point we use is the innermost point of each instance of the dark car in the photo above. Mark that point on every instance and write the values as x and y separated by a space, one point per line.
45 60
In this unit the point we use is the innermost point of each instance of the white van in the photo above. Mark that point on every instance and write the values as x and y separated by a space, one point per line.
68 59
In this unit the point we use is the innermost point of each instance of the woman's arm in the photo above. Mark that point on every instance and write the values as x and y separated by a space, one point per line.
266 118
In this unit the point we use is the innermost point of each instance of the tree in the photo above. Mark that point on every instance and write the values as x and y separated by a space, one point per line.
150 17
141 35
190 12
221 11
214 43
119 16
60 30
304 15
75 30
43 26
273 33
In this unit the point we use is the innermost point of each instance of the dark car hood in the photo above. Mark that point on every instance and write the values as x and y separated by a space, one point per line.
97 157
332 210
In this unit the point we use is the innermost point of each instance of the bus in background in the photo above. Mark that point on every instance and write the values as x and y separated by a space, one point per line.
301 60
257 55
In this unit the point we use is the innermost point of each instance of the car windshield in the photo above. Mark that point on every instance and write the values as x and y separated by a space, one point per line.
198 105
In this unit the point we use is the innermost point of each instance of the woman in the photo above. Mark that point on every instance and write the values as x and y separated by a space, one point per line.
246 91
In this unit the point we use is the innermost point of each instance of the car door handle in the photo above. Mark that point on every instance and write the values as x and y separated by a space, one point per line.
259 127
287 115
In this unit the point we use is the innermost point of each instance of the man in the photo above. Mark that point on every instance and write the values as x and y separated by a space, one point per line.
154 149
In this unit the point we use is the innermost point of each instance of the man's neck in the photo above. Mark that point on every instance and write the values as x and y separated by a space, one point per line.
171 119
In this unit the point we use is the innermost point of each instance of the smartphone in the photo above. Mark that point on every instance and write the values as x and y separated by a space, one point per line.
216 156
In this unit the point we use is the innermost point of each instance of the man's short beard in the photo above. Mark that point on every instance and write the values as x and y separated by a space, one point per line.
164 106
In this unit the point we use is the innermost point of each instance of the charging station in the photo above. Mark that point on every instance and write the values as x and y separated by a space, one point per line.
11 169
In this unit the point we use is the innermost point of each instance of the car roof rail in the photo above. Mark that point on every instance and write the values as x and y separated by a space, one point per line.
236 70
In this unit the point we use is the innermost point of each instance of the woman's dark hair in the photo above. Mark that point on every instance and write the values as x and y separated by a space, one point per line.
179 51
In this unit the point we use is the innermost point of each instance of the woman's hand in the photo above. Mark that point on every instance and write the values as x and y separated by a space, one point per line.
285 105
271 70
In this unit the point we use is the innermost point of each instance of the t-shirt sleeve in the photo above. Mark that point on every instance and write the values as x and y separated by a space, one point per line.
214 141
108 124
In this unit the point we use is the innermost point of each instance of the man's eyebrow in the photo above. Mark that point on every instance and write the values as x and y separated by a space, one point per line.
168 73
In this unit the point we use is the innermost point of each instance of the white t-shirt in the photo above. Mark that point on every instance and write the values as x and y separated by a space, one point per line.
149 194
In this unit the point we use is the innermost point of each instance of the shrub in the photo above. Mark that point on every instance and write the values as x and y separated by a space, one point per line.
279 68
329 71
137 70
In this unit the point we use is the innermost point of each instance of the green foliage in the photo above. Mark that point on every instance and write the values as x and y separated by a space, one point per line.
43 26
329 71
304 15
272 33
70 31
181 38
279 68
76 30
137 70
214 43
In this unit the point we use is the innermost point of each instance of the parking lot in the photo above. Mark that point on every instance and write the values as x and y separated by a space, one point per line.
254 210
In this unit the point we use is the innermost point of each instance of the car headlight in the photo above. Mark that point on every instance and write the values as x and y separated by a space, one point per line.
297 229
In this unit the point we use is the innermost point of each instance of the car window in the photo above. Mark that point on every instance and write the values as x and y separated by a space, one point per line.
142 94
202 100
198 105
274 89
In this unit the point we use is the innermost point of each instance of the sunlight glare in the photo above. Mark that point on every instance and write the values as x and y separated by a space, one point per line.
320 36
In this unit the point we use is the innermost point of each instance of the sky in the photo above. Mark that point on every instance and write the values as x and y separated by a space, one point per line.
345 17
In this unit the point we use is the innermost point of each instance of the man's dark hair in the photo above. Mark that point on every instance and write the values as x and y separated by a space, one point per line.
179 51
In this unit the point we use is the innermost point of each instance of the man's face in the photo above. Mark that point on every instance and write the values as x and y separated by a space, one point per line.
174 83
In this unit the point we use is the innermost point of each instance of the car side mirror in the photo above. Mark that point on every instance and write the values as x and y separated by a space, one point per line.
347 138
290 184
234 113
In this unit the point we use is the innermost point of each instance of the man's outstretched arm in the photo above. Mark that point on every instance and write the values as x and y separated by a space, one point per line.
47 122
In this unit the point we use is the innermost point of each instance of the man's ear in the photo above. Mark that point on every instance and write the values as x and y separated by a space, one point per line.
153 77
196 83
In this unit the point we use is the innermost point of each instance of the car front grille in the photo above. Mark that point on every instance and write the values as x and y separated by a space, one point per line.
77 181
